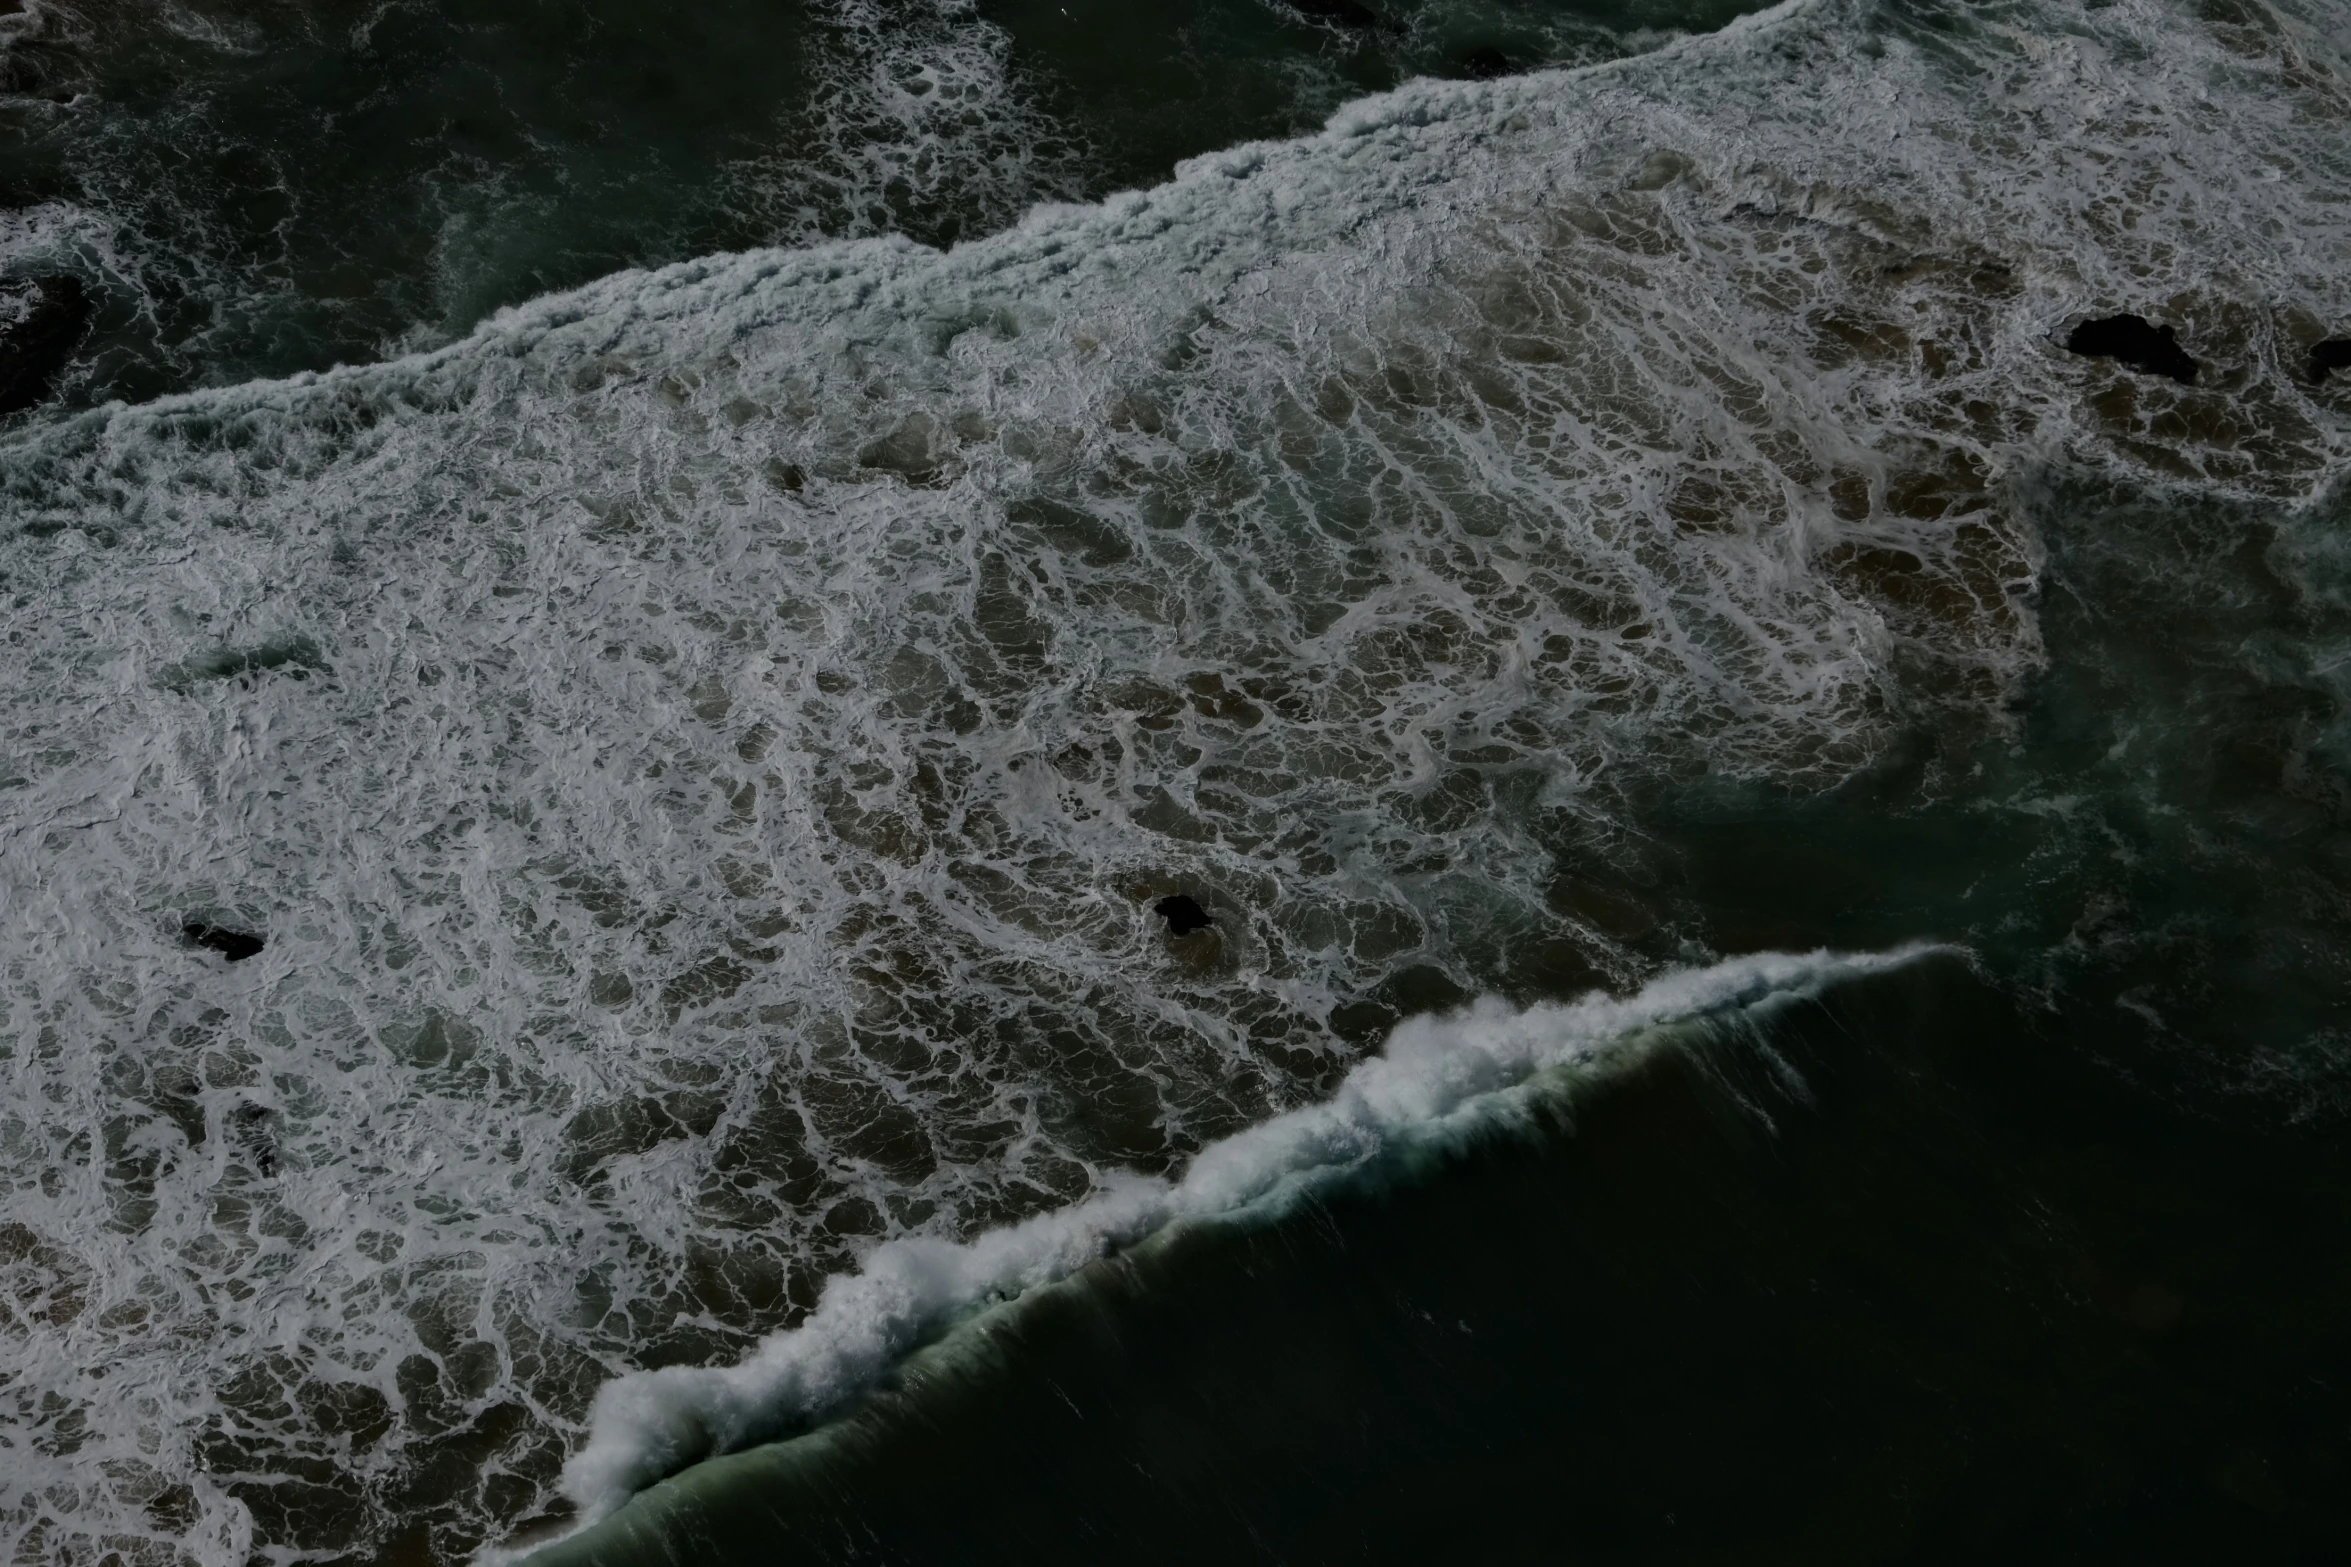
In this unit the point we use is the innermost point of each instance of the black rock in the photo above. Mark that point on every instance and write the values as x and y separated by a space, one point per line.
1344 12
2333 354
2134 341
1182 914
235 945
35 346
1486 64
250 1124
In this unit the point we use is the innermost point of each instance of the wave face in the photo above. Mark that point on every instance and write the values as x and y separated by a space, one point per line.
702 751
1439 1078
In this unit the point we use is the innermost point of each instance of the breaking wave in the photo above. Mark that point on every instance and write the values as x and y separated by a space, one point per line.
699 754
1438 1079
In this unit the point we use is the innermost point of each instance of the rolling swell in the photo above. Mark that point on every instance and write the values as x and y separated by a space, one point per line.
756 704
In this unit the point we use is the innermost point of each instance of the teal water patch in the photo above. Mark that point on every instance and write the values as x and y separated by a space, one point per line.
1907 1277
2165 834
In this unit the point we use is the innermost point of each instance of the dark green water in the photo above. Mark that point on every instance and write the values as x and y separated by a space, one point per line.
259 189
1961 1294
2037 1254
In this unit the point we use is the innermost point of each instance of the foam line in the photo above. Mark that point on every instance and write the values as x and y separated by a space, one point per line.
1440 1076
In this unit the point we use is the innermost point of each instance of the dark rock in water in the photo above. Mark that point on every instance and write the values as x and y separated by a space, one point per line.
2333 354
1486 64
1183 915
235 945
49 320
297 657
2134 341
1344 12
250 1125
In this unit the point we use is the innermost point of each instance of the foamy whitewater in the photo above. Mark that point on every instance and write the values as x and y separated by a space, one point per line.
702 749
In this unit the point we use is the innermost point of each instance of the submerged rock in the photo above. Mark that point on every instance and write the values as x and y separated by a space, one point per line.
1486 64
2333 354
2134 341
235 945
297 657
1183 915
49 317
250 1124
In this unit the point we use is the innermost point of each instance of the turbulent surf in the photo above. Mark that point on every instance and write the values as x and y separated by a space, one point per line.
696 756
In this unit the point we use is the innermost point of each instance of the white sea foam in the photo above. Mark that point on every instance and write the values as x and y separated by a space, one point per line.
1438 1077
44 236
702 749
914 115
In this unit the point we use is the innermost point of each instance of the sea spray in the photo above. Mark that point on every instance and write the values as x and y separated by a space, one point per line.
1438 1077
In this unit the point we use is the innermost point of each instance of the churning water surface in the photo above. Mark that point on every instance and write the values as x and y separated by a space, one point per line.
704 753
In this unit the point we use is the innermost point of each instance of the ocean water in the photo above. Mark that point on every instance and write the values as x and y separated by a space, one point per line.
1774 839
